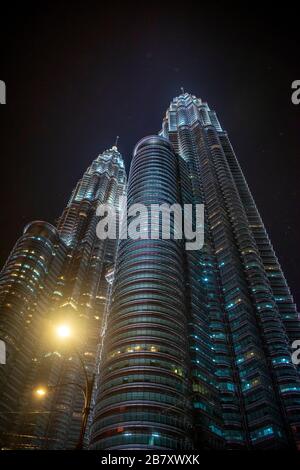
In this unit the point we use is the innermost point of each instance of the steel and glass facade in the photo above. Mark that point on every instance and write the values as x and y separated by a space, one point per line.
27 282
58 275
192 348
144 375
198 343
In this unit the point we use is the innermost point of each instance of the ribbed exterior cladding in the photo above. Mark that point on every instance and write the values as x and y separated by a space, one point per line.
56 276
197 344
82 294
250 318
26 284
143 398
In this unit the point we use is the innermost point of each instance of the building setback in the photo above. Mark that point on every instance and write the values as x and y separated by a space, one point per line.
60 274
197 343
197 352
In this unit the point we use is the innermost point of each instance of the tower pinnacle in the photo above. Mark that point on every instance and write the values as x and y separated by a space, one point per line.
116 143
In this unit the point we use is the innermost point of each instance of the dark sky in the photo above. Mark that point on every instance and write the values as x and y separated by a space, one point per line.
79 73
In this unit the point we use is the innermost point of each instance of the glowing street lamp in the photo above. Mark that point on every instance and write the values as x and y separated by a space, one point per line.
40 392
63 331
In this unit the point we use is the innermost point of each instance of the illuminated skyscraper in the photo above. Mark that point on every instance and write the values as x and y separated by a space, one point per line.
66 267
198 343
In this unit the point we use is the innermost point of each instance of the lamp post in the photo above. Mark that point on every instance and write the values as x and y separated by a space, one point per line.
64 331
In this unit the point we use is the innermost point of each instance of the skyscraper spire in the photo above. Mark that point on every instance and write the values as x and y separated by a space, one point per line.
116 142
182 90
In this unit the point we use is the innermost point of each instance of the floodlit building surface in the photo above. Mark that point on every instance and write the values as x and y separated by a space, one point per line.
197 351
55 276
191 348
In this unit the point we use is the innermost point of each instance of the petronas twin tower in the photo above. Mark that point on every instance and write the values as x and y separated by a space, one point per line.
189 349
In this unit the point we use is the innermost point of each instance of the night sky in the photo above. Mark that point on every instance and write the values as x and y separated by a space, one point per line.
80 73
